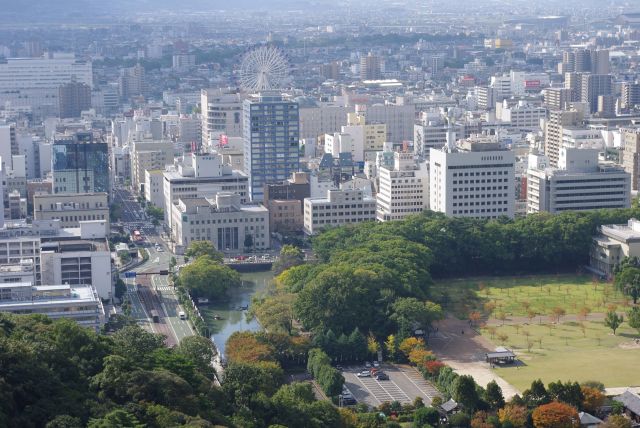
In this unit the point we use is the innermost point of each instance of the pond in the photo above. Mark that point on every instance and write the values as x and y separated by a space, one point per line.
232 317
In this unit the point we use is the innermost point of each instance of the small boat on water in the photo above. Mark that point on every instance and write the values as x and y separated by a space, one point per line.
217 317
243 308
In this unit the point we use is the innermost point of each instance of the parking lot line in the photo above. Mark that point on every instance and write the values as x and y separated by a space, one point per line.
430 396
371 394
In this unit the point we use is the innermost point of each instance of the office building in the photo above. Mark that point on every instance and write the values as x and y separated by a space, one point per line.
370 67
80 164
593 86
578 183
231 226
630 154
285 203
71 209
37 88
148 155
474 179
8 144
201 175
339 207
330 71
271 134
153 187
403 188
221 115
73 98
558 119
522 116
613 244
79 303
183 61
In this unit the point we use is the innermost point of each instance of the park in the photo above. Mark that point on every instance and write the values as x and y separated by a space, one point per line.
554 323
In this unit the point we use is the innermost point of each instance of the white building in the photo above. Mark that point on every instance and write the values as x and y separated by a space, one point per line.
337 143
223 220
201 175
148 155
72 208
475 179
522 115
579 183
337 208
582 138
34 83
153 190
79 303
403 189
221 114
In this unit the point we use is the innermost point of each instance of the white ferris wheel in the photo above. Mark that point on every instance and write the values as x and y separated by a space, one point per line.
264 68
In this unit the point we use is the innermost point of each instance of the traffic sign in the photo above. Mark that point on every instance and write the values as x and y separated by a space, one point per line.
130 274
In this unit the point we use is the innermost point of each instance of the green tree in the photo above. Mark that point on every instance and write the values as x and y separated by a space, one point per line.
206 277
613 321
411 311
64 421
248 242
120 288
633 318
203 248
536 395
426 416
135 343
199 350
465 392
628 281
116 419
289 257
493 396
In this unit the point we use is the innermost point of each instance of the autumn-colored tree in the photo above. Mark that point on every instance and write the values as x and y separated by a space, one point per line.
556 415
502 338
372 344
514 414
502 317
408 344
434 367
244 347
492 331
419 355
557 313
479 420
475 317
593 398
616 421
489 307
531 314
584 312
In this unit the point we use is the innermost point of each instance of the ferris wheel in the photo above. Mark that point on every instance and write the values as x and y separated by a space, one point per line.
264 68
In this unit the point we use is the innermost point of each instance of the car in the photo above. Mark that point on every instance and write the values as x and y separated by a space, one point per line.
367 364
376 364
364 373
348 400
159 249
382 376
339 367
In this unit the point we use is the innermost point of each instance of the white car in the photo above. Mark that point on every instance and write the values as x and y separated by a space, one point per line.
376 364
364 373
367 364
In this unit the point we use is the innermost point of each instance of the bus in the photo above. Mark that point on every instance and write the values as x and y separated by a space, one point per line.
154 315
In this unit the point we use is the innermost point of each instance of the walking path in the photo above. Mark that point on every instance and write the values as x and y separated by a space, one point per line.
545 319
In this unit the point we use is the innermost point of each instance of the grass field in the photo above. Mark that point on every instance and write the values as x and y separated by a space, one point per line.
567 352
516 296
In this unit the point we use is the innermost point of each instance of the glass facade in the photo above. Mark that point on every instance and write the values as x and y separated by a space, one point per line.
271 134
80 165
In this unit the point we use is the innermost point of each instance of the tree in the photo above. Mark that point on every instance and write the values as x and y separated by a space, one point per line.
116 419
593 399
120 288
557 313
206 277
555 415
172 263
584 312
569 393
289 257
465 392
616 421
475 317
426 416
198 349
633 318
514 414
372 344
391 346
244 347
536 395
248 242
410 311
135 343
64 421
493 396
613 321
628 281
409 344
203 248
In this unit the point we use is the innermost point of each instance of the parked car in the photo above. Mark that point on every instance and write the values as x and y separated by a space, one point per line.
367 364
376 364
382 376
364 373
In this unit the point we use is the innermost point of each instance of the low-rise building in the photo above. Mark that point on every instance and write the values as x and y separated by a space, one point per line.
337 208
231 226
80 303
72 208
614 243
285 215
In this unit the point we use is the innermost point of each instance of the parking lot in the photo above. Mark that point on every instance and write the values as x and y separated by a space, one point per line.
404 385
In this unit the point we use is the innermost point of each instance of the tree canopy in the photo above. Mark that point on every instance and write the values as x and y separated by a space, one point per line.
206 277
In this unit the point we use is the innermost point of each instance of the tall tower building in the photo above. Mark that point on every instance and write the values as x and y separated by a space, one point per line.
630 94
80 164
558 119
600 62
594 85
132 82
631 154
271 134
73 98
370 67
221 114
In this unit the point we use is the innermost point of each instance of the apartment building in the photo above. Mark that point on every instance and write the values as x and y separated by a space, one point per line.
579 183
231 226
475 179
148 155
403 189
630 154
558 119
339 207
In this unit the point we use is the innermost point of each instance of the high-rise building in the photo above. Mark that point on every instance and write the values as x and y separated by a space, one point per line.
39 81
148 155
579 183
594 85
132 82
630 154
183 61
370 67
630 94
330 70
403 190
558 119
8 144
271 134
474 179
557 98
73 98
80 164
221 114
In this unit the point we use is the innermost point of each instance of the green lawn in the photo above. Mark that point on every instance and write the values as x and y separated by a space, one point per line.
566 352
515 296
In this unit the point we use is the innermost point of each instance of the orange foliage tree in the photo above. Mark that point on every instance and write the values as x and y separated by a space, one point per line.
593 399
244 347
409 344
514 414
556 415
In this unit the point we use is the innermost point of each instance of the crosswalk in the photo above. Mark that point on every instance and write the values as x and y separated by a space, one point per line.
164 288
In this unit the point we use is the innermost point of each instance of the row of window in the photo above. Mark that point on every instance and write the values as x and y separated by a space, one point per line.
224 220
466 204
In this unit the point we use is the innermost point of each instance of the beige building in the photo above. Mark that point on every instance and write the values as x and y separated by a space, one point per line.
148 155
613 244
71 209
338 208
222 220
285 215
630 154
558 119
